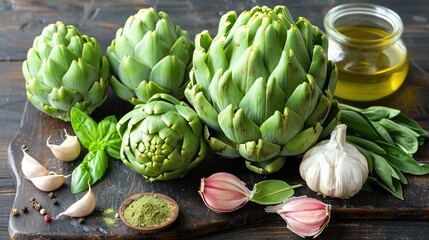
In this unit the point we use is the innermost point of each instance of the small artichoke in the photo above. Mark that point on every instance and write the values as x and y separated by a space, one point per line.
148 56
161 139
65 69
263 86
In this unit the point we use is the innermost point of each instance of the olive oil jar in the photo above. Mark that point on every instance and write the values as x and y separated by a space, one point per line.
365 43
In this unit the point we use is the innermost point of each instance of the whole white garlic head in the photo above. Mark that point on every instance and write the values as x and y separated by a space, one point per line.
334 167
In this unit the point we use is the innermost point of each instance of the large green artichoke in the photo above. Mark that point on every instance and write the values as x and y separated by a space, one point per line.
161 139
65 69
264 87
148 56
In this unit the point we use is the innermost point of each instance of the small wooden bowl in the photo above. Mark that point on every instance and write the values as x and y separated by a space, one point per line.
174 212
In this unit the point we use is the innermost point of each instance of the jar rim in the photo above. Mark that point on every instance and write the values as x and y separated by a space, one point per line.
350 9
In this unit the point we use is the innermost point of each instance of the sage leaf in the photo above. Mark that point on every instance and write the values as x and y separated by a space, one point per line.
382 169
359 123
272 192
376 113
411 124
403 161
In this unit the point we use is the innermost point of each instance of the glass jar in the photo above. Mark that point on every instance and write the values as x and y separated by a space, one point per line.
365 43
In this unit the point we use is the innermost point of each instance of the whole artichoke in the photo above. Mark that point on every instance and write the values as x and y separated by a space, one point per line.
65 69
263 86
161 139
148 56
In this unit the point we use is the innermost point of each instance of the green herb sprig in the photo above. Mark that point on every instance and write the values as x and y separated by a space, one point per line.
388 139
101 140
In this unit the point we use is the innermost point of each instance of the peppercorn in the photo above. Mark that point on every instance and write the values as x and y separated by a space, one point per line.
54 201
24 209
81 220
47 218
43 211
37 206
51 195
14 212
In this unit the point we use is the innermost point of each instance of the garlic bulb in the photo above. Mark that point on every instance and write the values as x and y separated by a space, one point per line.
83 207
48 183
31 167
68 150
333 167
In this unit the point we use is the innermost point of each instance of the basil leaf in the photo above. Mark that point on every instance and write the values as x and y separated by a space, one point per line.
107 129
80 178
97 165
113 148
403 161
84 127
272 192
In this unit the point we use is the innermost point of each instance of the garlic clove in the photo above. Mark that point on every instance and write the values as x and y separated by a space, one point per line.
83 207
68 150
48 183
31 167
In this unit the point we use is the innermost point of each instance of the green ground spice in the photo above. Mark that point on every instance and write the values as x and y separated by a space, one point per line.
147 211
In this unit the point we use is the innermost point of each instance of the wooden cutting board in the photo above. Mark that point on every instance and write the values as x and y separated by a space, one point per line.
195 219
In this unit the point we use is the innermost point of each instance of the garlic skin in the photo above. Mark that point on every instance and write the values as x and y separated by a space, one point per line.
81 208
68 150
334 167
48 183
31 167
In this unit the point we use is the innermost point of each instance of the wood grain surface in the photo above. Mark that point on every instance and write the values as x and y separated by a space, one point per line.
368 215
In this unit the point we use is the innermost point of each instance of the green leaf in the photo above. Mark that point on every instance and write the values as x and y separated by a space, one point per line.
360 124
97 164
80 178
376 113
107 129
84 127
395 190
403 161
411 124
272 192
382 169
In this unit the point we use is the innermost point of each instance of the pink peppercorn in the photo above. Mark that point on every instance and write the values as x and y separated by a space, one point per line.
47 218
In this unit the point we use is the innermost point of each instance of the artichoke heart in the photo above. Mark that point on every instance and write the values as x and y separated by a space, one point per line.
263 86
65 69
149 55
161 139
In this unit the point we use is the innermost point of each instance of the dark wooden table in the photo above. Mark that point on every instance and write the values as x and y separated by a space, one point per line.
22 20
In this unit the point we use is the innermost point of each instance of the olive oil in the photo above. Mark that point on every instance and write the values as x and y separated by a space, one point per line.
373 70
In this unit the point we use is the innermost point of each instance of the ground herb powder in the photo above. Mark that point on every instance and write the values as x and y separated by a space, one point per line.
147 211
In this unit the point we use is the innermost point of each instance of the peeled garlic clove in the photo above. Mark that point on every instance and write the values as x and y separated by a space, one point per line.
68 150
31 167
48 183
83 207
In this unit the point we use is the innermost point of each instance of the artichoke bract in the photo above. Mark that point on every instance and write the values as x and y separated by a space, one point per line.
65 69
263 86
161 139
149 55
